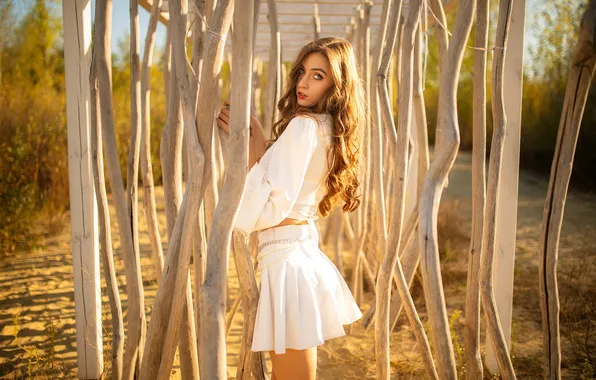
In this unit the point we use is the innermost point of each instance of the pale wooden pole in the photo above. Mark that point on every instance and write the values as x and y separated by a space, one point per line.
474 369
390 259
256 77
242 56
188 339
357 216
508 187
212 338
445 154
204 9
83 216
441 34
170 298
134 285
410 258
134 152
316 21
489 245
273 70
408 253
105 234
146 166
391 133
171 160
366 198
376 175
440 26
581 73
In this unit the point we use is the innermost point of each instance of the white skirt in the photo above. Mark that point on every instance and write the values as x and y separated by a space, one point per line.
304 299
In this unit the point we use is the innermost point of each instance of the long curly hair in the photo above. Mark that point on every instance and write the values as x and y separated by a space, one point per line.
345 102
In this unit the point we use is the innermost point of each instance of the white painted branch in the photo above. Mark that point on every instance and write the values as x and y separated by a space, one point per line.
391 259
376 175
316 22
273 71
214 335
76 16
581 74
474 369
134 287
132 168
172 291
494 173
445 154
504 263
362 230
105 234
146 166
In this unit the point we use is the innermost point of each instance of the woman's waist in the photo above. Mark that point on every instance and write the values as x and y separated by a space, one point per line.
278 242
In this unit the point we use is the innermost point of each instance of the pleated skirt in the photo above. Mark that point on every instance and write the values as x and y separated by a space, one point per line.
304 299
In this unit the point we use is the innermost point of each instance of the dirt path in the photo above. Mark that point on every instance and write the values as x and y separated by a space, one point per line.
37 310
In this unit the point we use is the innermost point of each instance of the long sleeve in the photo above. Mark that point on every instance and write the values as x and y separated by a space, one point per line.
273 184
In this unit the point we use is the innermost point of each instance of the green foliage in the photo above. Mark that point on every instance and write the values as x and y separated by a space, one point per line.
555 30
544 93
33 159
122 111
38 362
34 191
457 347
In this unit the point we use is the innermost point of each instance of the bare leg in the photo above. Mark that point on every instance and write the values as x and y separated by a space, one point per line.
295 364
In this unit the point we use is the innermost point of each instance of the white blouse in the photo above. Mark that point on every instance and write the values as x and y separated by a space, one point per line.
288 181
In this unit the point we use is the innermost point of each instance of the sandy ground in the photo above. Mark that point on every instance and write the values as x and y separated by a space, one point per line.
37 335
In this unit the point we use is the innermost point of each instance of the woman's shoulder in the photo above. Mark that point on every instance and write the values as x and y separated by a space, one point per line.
322 122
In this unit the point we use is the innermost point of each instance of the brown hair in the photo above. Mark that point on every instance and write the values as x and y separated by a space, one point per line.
344 101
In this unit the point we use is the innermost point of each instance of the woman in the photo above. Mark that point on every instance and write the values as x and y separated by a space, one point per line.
311 164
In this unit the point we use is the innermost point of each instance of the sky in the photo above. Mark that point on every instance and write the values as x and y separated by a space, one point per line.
121 26
121 23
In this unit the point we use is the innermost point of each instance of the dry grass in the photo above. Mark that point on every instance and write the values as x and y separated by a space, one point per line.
37 311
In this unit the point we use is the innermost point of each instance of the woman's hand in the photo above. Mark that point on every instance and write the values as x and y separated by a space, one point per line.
223 119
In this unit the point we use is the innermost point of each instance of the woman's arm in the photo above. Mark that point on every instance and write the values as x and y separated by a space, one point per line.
257 140
272 188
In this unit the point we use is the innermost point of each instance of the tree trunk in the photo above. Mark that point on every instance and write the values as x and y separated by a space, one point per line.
445 154
489 305
390 259
171 292
134 286
105 234
474 369
146 166
578 85
273 71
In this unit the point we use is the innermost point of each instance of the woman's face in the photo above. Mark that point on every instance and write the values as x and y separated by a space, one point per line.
314 79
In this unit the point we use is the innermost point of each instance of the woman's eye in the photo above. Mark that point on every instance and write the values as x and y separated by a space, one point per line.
318 76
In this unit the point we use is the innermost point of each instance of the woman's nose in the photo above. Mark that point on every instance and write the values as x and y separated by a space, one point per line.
303 82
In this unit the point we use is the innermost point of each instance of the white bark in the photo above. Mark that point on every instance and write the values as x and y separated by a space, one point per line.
489 305
132 169
391 259
580 77
134 287
105 234
472 325
85 245
445 153
273 71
